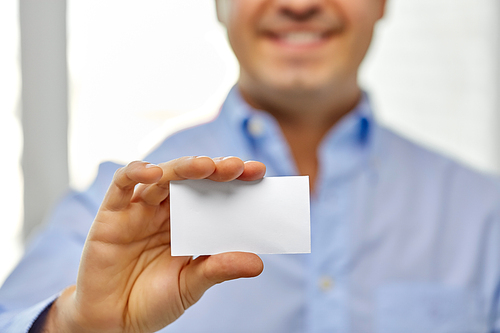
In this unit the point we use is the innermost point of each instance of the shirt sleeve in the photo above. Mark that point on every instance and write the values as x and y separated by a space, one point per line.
50 263
495 314
495 319
22 321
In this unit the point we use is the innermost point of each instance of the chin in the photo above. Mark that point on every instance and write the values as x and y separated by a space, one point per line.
301 79
300 84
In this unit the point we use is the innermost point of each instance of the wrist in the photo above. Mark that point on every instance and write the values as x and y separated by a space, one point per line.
67 315
60 317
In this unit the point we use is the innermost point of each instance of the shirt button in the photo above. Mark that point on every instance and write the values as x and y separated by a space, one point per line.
326 283
255 126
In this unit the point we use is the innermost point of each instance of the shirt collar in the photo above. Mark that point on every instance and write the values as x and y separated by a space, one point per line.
347 147
343 149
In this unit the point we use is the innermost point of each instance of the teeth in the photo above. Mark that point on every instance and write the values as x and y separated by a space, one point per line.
301 37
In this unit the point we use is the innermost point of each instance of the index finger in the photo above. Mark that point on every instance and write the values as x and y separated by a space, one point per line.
122 187
190 167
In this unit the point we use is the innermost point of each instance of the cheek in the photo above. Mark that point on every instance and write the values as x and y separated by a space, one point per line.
243 11
360 15
240 26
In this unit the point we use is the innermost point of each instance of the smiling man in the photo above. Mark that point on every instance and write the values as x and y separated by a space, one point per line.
403 239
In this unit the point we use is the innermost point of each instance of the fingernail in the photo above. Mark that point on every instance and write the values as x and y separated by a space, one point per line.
201 156
150 165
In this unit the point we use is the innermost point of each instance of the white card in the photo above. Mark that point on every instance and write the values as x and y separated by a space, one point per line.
266 216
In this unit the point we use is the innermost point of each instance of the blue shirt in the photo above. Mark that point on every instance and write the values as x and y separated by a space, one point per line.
403 239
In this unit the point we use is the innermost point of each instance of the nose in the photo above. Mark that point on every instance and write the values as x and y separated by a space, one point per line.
300 10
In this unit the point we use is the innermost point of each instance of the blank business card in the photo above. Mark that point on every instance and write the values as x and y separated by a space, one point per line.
267 216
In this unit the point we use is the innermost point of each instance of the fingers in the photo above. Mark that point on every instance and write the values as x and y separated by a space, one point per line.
124 181
253 170
227 169
155 179
206 271
191 167
220 169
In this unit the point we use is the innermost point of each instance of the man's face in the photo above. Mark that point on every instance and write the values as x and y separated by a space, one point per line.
300 45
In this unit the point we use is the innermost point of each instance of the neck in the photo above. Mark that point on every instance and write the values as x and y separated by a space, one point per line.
304 117
319 108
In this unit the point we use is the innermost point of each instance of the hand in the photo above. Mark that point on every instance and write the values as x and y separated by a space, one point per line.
127 280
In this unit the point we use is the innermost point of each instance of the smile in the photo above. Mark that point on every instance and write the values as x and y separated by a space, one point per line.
300 40
301 37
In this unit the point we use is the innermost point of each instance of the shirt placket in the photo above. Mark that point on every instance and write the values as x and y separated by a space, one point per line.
341 157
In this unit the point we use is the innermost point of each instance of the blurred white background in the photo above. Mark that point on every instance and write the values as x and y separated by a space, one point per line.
139 70
135 65
10 139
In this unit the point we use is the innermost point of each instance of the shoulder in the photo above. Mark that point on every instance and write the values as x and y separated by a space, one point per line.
431 199
434 170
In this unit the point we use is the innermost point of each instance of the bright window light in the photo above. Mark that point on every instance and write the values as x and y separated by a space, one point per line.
11 139
136 69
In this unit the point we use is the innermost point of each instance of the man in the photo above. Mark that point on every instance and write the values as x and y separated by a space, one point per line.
403 240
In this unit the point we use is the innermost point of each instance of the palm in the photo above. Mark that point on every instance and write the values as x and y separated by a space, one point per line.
127 274
154 277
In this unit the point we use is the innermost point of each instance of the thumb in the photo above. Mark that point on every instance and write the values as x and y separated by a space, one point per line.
206 271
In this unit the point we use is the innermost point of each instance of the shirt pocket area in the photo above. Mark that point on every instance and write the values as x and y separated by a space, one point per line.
430 308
